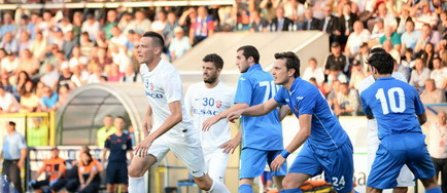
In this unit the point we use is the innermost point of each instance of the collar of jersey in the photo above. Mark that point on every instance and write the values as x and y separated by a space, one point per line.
385 78
254 67
295 84
156 67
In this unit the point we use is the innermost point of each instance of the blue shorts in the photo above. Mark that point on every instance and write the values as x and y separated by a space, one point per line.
253 163
338 165
395 151
116 173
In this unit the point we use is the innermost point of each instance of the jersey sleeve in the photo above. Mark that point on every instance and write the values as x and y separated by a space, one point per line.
365 107
244 91
306 103
280 97
173 88
22 144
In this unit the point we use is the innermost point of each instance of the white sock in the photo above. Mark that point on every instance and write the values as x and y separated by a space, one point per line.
136 184
217 187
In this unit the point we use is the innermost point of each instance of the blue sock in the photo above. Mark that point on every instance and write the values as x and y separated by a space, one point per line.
245 188
295 190
436 189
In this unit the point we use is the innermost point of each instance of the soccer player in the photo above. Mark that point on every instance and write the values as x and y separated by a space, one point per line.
326 146
399 113
118 144
405 178
172 129
204 100
262 136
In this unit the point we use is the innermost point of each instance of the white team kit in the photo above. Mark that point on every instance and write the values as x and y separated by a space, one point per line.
405 178
163 86
202 103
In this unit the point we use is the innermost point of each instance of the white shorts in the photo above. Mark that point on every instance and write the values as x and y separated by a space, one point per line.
216 163
186 148
406 177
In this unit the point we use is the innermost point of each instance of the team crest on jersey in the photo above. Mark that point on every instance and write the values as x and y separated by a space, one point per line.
152 91
218 104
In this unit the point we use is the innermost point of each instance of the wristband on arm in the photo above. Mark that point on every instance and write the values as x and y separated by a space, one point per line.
285 153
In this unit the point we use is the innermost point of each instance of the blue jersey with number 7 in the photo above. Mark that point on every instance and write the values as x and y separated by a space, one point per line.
395 105
264 132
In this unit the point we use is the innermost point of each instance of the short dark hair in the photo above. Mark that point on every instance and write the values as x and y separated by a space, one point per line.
292 61
12 123
250 51
158 39
120 117
215 59
381 61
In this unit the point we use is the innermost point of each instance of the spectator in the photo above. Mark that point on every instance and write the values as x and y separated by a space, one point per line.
102 58
28 63
362 58
101 41
357 75
65 76
38 46
124 21
427 36
347 20
179 45
439 73
432 95
159 23
336 59
88 172
54 171
403 19
310 22
118 144
91 26
114 74
347 101
110 23
280 22
378 30
202 27
69 43
79 76
438 148
77 23
24 41
86 44
425 16
118 38
130 76
392 36
63 93
9 43
29 102
336 74
10 63
8 25
65 26
410 37
50 76
442 25
171 24
313 71
37 134
331 25
104 132
13 154
419 75
356 39
408 59
140 24
119 57
49 99
8 103
427 55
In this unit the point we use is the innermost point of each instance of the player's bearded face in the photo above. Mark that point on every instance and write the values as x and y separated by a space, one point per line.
210 73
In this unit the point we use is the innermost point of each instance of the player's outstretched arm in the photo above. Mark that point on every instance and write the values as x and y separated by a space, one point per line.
257 110
173 119
212 120
283 111
297 141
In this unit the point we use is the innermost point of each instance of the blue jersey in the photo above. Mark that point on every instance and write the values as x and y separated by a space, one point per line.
395 105
305 98
263 132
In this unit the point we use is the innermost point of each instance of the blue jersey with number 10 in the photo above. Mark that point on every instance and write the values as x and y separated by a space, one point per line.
264 132
395 105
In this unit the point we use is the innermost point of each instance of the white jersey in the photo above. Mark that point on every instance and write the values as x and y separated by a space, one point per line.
203 102
162 86
405 177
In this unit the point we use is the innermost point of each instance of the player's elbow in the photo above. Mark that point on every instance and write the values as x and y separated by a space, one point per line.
177 117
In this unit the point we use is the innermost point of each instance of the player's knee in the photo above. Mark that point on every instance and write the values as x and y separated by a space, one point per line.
373 190
135 171
290 183
204 183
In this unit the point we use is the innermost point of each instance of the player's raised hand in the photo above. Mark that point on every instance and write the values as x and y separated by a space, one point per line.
277 163
210 122
142 148
231 145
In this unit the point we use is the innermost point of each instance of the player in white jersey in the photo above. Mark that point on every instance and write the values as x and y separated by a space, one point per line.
170 128
204 100
405 178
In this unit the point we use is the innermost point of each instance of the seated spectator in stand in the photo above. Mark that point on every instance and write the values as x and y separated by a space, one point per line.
9 43
336 59
63 93
89 179
356 39
427 36
310 22
10 63
258 24
104 132
8 103
432 95
37 134
114 74
362 58
314 71
50 76
336 74
427 55
29 102
54 171
408 58
438 148
49 99
347 101
280 22
419 75
410 37
202 27
392 36
179 45
439 73
357 75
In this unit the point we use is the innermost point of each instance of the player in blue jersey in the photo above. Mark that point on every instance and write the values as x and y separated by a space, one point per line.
399 113
326 146
262 136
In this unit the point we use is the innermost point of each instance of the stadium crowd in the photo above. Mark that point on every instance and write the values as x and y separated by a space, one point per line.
45 56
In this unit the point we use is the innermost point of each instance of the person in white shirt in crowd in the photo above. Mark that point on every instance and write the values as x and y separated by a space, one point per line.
357 75
179 45
160 22
91 26
427 36
140 24
10 63
204 100
315 71
424 15
8 103
437 147
432 95
356 39
50 76
119 56
118 38
439 73
419 75
410 37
